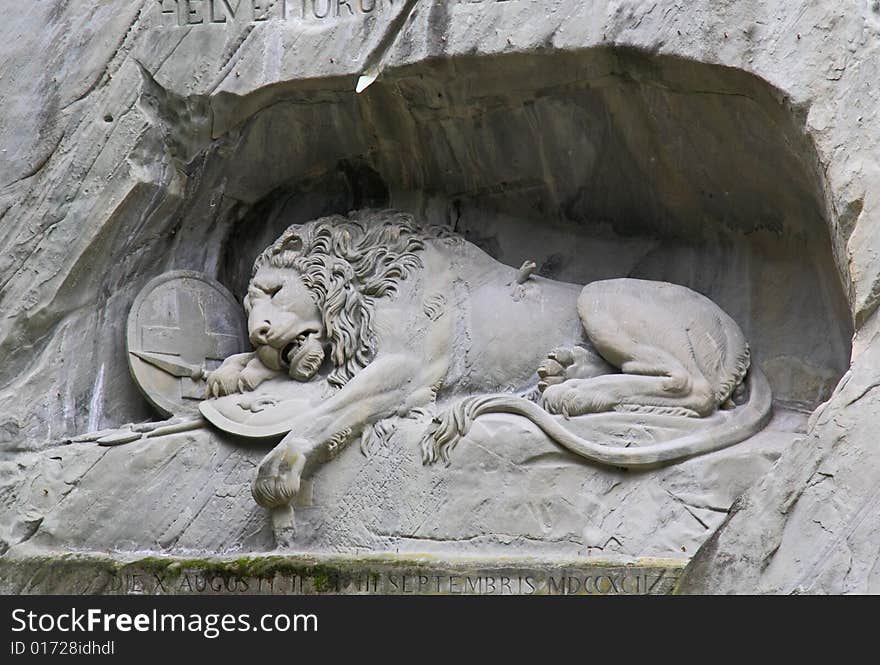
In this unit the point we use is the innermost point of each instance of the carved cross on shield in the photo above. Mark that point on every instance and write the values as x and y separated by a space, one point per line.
182 325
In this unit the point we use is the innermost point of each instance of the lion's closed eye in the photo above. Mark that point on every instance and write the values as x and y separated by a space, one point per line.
265 289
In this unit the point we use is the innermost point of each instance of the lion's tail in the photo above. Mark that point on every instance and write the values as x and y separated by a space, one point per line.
446 431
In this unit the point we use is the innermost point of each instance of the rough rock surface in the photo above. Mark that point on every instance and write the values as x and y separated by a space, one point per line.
731 147
507 489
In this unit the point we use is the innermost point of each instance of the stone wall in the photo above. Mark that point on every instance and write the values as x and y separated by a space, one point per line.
729 147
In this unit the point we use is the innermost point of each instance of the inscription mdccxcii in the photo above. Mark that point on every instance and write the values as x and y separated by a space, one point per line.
562 583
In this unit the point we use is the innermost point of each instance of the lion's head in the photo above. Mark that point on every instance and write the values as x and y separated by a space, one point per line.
314 290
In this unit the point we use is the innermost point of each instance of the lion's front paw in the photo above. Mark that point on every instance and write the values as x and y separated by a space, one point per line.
224 380
278 477
238 374
253 375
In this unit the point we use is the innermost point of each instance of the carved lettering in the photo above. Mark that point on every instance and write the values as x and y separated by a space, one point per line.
221 9
205 13
193 11
620 581
322 13
327 9
260 9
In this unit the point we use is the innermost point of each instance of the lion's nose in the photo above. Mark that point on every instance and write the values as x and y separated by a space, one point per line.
259 335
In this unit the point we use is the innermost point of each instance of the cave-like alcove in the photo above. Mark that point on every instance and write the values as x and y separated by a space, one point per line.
594 164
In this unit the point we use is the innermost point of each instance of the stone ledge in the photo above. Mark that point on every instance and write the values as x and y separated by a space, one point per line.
388 574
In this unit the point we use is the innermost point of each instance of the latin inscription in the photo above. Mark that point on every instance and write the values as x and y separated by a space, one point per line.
194 13
564 583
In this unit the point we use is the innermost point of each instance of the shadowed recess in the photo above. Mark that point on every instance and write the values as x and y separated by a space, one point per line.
596 164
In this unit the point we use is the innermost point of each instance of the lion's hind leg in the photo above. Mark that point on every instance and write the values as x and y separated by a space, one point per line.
651 379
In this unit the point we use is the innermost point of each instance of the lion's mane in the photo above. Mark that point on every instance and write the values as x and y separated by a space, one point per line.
347 263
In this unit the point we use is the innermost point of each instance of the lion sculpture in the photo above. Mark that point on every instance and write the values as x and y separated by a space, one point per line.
394 316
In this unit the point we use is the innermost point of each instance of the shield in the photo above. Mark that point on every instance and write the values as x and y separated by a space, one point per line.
182 326
267 412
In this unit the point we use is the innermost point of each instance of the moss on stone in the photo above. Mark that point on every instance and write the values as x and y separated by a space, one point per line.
101 573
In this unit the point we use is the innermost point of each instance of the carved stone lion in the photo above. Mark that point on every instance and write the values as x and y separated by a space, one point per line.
394 316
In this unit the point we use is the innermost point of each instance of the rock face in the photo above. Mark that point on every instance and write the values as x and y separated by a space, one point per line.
730 148
508 490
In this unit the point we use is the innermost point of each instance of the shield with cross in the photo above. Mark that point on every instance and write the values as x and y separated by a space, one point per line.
182 325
